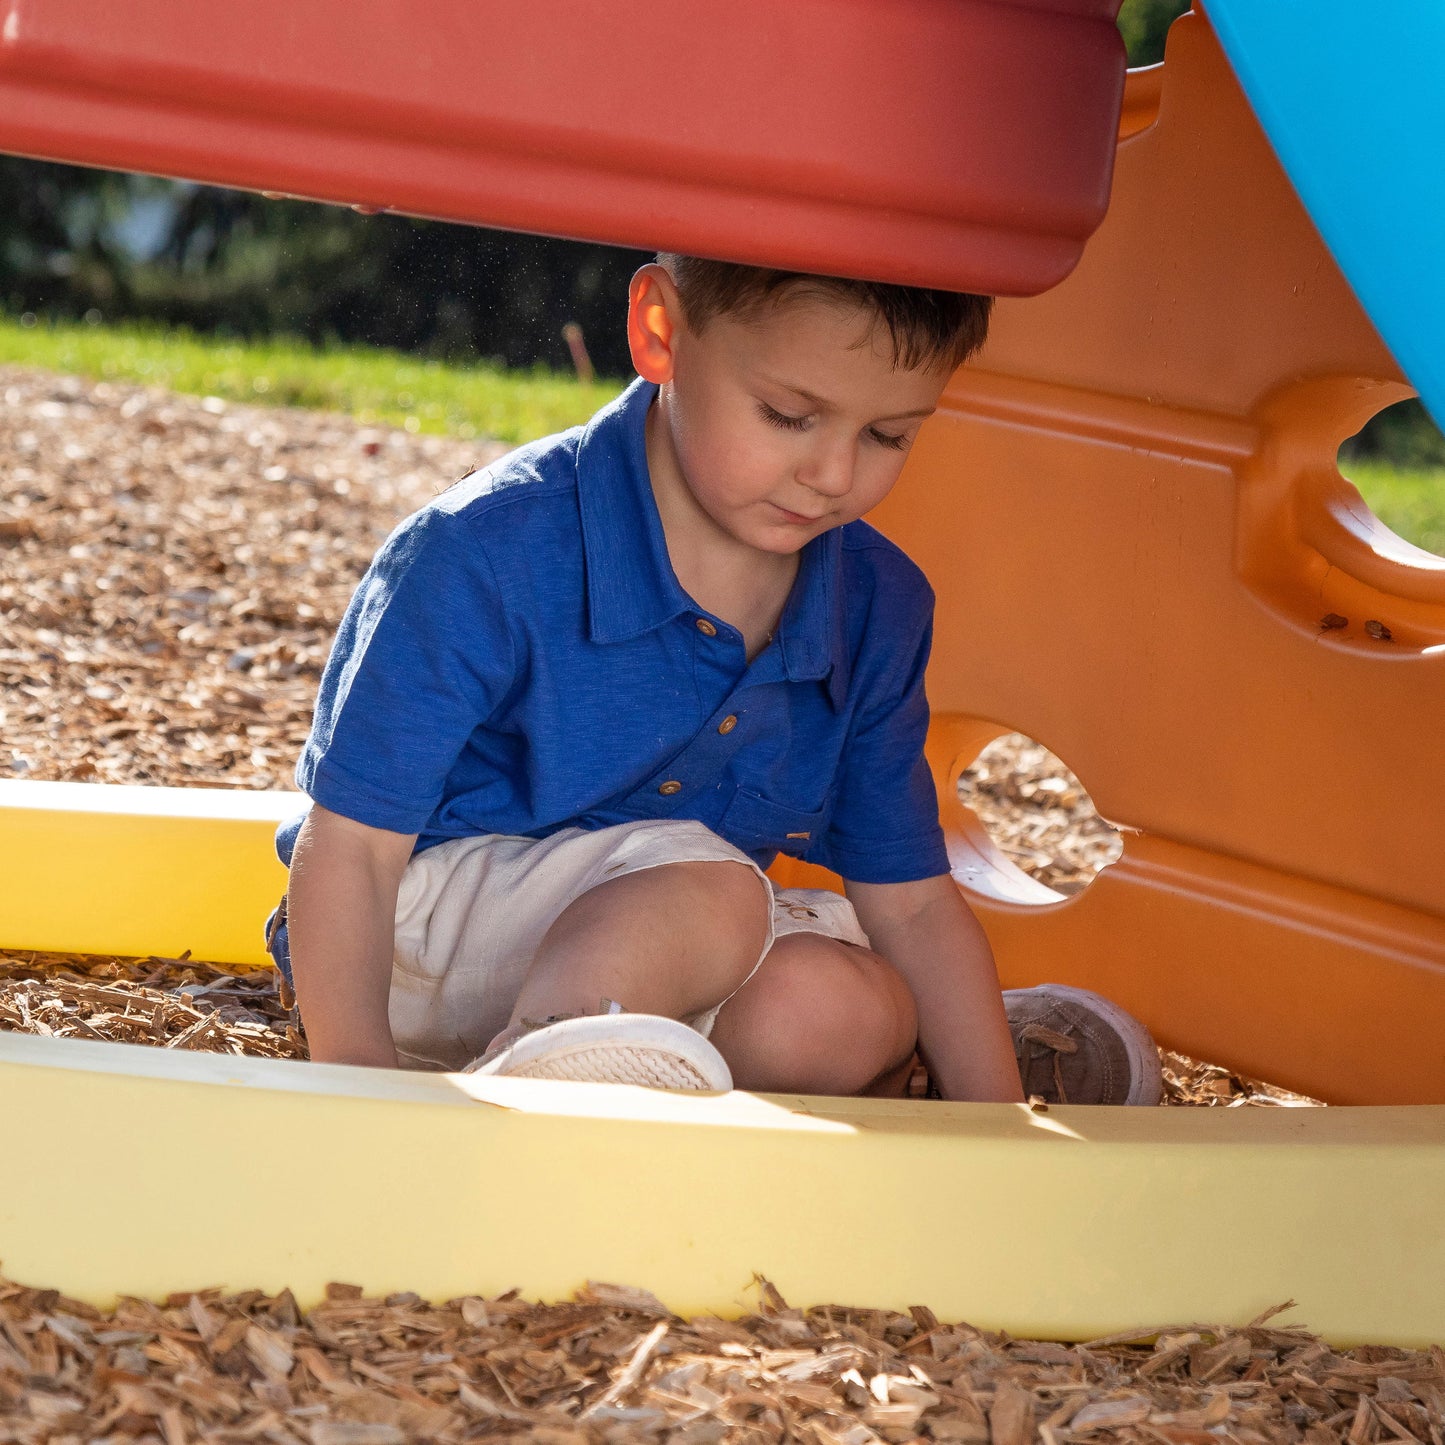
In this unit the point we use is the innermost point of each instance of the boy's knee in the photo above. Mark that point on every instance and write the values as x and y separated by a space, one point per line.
871 994
721 902
716 909
822 1016
675 939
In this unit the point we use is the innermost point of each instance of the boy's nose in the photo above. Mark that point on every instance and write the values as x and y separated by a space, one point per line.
831 472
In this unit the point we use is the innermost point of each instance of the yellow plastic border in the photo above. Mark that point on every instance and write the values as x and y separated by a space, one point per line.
109 868
133 1170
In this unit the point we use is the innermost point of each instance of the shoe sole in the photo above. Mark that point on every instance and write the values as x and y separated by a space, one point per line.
645 1050
1146 1079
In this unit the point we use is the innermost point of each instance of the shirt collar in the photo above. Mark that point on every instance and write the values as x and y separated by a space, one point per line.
813 630
631 587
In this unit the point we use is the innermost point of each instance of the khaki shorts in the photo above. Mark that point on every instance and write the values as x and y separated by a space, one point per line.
471 914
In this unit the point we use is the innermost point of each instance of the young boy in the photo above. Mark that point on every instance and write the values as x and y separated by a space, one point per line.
582 699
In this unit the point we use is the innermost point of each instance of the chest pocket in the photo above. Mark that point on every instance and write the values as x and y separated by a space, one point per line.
752 822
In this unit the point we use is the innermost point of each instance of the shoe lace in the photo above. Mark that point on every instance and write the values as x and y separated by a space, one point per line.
1051 1044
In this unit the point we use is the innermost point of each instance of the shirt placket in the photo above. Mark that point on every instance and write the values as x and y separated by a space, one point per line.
699 766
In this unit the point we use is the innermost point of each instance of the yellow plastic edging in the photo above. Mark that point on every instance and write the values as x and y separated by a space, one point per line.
105 868
132 1170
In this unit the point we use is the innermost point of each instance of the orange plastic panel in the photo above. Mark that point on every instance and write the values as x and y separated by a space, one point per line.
957 143
1133 518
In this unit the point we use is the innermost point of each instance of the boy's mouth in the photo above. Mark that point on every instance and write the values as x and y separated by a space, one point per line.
796 519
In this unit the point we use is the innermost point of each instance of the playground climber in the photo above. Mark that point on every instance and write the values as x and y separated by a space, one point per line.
582 699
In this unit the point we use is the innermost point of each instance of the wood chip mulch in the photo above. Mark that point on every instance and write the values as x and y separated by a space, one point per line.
171 572
613 1365
171 1003
1038 814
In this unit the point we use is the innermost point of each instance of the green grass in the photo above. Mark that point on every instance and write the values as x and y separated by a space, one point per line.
373 385
477 400
1410 503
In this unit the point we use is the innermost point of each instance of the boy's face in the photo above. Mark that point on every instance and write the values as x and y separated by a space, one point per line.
786 424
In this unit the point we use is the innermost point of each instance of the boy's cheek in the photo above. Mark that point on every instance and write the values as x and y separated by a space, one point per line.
875 494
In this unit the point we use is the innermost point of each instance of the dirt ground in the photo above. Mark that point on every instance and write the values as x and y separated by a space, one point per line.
171 571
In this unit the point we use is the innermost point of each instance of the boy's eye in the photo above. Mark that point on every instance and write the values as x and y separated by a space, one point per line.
781 419
887 439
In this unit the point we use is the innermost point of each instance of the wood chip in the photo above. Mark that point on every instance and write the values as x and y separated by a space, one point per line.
352 1432
1111 1414
641 1358
213 1366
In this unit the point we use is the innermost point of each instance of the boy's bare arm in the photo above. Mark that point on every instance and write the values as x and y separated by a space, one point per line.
341 915
929 934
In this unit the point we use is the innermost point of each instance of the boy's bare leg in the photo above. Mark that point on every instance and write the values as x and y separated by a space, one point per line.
673 940
820 1017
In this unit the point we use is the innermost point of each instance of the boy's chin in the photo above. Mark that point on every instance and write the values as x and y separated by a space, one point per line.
777 538
784 538
775 545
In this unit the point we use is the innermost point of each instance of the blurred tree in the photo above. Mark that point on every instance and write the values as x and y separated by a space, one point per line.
1144 24
74 240
1403 435
57 251
232 260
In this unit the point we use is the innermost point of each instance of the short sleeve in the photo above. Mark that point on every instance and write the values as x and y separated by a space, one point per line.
423 656
884 826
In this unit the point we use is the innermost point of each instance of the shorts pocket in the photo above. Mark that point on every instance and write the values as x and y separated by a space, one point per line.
753 822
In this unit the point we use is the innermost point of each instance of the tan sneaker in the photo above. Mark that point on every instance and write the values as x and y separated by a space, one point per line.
613 1048
1075 1047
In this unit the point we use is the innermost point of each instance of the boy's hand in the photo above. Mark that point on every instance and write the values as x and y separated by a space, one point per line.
341 914
929 934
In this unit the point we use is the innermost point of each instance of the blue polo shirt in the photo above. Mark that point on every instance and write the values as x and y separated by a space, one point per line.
521 658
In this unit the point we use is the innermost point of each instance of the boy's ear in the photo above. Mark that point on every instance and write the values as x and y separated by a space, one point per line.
654 317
